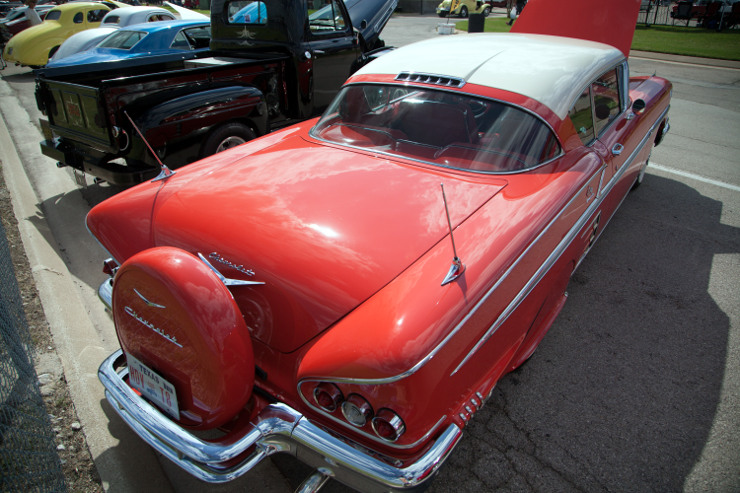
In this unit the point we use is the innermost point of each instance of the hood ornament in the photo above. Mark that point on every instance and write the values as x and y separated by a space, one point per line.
457 268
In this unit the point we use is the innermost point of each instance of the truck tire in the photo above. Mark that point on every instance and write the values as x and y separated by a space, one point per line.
225 137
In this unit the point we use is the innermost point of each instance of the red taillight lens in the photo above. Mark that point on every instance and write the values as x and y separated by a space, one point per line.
327 396
357 410
388 425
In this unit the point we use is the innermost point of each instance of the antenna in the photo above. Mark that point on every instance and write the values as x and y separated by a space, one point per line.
164 172
457 267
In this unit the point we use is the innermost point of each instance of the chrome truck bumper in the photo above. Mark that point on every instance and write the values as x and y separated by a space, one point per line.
278 428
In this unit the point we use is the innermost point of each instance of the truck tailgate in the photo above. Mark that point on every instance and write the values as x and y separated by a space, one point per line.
74 111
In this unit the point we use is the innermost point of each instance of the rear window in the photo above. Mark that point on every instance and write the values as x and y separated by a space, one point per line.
246 12
123 40
112 19
53 15
442 128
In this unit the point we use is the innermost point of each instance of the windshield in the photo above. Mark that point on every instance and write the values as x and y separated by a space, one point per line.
123 40
442 128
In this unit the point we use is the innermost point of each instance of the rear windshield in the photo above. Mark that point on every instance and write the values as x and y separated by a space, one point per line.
123 40
443 128
112 19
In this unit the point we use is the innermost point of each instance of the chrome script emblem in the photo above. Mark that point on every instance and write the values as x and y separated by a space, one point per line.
221 260
146 323
148 303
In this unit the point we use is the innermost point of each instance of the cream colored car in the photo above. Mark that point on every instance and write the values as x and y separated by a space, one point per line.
463 8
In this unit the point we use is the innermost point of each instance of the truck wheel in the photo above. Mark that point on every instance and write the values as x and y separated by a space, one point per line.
226 137
463 11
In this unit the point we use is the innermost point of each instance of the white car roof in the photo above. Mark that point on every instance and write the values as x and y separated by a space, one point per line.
135 14
550 69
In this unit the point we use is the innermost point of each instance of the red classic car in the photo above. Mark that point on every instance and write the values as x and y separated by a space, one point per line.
350 289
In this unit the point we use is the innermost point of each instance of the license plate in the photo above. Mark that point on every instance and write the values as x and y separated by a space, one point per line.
153 386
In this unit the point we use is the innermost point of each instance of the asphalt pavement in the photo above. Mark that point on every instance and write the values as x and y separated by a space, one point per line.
634 389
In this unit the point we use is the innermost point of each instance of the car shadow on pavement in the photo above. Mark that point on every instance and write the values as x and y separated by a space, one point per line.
624 390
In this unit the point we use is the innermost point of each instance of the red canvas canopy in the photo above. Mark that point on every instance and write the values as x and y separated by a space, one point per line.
606 21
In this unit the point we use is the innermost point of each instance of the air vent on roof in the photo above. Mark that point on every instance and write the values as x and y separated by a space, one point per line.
440 80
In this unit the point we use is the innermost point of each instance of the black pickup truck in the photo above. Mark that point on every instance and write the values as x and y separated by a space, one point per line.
283 63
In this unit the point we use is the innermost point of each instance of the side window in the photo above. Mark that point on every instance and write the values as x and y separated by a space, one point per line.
180 42
78 18
199 37
96 15
582 117
246 12
606 99
325 17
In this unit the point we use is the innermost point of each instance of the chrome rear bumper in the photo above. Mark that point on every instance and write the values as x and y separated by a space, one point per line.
279 428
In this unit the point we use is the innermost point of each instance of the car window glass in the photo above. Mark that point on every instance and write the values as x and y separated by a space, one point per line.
112 19
123 40
78 18
441 128
96 15
325 17
53 15
582 117
605 91
198 37
246 12
181 42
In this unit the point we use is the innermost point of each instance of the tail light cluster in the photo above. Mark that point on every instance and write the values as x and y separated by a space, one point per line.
358 412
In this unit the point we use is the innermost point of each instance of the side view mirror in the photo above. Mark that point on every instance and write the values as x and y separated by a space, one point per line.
638 106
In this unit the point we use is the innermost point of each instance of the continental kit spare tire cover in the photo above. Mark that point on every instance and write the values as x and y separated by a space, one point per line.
174 315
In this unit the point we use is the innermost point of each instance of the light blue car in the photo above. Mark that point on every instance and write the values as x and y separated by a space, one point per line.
185 38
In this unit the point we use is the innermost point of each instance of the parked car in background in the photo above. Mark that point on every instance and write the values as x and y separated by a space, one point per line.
350 289
463 8
35 45
114 20
184 38
16 20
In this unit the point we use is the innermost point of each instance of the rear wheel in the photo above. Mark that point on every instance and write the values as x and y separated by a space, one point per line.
226 137
486 11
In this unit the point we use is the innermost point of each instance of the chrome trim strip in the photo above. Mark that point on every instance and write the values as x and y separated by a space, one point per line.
559 250
278 428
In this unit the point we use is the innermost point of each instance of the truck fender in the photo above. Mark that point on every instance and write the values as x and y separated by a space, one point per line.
196 114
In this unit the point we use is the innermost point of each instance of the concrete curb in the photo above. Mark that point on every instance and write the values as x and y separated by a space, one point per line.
126 464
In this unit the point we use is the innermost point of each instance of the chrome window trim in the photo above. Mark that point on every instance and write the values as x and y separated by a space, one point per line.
440 166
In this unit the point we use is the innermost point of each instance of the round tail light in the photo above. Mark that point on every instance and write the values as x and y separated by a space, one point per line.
388 425
357 410
327 396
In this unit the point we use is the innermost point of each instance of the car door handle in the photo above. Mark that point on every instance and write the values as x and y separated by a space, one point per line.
617 149
319 52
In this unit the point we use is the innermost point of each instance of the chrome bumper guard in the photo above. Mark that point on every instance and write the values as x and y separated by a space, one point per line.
278 428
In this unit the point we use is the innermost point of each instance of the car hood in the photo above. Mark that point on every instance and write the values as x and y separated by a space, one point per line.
323 227
369 17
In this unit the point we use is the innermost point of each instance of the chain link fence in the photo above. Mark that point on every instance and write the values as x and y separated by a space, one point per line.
28 457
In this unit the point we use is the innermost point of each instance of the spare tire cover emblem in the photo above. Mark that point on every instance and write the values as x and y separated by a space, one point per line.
146 323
